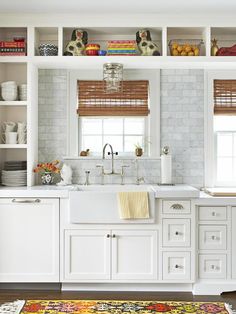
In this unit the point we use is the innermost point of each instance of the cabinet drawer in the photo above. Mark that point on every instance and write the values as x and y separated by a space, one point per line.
212 266
212 237
212 213
176 232
176 266
176 207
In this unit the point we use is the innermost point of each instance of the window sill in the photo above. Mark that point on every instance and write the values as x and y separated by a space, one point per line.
116 158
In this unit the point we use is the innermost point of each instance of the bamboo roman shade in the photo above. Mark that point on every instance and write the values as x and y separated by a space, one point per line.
93 100
225 97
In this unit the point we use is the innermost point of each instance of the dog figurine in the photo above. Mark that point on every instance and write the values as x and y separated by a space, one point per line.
145 44
76 46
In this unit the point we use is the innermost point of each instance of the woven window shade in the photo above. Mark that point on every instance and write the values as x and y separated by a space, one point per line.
131 101
225 97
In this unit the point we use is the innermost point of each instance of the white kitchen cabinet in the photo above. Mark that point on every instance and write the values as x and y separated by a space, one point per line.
176 232
134 254
214 213
212 266
87 254
176 265
212 237
110 255
178 207
29 240
233 242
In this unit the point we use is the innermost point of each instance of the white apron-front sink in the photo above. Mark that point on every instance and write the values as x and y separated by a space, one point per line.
99 204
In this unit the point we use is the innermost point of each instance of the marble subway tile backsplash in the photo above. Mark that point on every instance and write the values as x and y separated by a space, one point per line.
182 128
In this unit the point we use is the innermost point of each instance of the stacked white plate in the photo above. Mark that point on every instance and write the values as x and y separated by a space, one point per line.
23 92
9 91
14 178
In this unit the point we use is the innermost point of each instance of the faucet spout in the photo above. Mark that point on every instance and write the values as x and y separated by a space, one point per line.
112 156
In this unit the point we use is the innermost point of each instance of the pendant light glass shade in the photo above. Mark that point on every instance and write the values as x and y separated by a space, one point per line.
113 77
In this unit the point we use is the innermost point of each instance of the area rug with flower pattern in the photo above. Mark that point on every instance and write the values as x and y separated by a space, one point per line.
123 307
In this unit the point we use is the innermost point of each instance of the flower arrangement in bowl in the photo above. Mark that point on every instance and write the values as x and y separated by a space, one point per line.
47 171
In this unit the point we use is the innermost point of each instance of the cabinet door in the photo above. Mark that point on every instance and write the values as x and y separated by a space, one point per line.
176 266
233 242
29 240
87 254
176 232
134 254
212 266
212 237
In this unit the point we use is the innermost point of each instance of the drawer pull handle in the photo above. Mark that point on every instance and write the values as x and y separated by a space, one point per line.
37 200
108 235
177 206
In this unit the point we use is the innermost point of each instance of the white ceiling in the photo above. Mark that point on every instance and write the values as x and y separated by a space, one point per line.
118 6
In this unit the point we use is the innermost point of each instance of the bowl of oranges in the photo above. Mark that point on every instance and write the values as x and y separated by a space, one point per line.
184 48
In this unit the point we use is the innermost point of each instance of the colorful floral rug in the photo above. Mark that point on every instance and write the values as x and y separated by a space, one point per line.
123 307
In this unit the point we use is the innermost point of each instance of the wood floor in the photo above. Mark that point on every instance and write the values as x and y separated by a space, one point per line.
10 295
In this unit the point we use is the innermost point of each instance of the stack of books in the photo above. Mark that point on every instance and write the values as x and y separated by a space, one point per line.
121 48
12 48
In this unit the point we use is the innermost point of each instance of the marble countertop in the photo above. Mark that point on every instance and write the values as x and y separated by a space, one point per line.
184 191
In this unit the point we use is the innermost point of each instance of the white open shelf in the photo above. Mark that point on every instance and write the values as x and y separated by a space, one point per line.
13 103
6 146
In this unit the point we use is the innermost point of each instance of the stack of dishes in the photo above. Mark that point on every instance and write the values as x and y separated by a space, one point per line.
23 92
9 91
15 165
14 178
14 173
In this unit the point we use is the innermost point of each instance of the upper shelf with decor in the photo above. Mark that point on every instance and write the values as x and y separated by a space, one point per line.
13 41
112 41
160 46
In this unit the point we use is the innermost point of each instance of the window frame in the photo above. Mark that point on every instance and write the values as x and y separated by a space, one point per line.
210 136
125 154
152 127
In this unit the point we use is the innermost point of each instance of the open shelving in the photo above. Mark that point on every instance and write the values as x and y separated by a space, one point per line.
15 111
45 35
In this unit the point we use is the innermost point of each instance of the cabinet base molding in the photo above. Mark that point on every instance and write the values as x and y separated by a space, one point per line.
126 287
30 286
208 288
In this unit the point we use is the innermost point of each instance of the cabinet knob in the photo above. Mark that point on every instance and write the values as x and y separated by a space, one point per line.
177 233
177 266
177 206
108 235
113 236
213 237
213 214
213 267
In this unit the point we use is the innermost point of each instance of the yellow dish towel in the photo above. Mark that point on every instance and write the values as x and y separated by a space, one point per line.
133 205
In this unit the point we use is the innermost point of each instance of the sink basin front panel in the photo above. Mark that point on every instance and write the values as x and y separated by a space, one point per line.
102 207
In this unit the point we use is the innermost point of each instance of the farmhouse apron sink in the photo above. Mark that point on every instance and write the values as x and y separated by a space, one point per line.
99 204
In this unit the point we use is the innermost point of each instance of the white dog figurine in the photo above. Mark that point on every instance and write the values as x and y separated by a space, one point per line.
76 46
145 44
66 175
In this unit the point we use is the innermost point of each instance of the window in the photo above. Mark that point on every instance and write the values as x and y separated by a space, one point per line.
221 129
119 119
225 149
147 131
123 133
